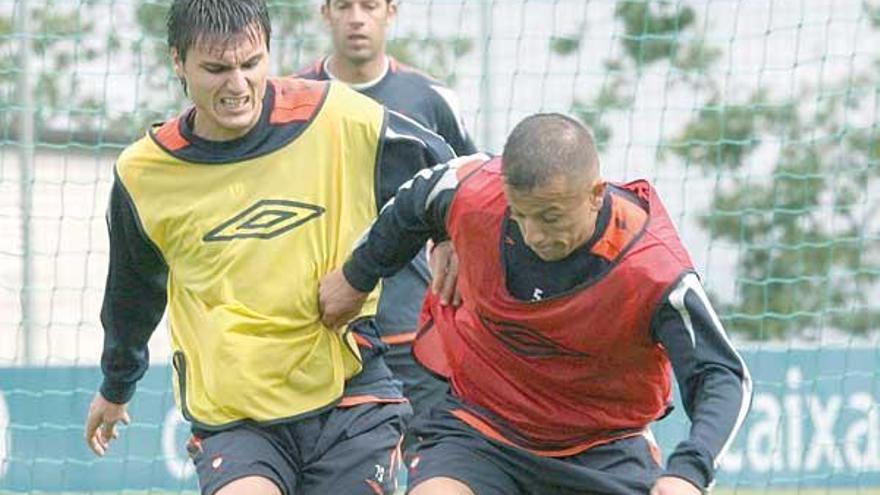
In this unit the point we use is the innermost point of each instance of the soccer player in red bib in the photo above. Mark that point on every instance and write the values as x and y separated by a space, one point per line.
579 301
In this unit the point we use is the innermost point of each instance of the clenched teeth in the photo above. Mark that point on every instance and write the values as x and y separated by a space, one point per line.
234 102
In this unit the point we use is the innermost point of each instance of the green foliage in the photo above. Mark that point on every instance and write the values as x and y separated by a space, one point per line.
150 17
565 45
60 43
807 257
723 135
653 29
793 181
615 95
872 10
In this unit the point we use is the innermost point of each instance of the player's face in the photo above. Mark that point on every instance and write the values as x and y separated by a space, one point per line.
358 27
226 80
557 217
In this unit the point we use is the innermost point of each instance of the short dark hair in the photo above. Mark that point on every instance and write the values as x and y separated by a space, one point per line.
190 21
546 145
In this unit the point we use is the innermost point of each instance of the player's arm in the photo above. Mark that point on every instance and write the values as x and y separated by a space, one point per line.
715 384
417 213
134 301
450 123
404 225
407 148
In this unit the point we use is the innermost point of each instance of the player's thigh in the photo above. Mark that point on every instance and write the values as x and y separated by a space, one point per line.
623 467
362 454
441 486
250 485
458 462
244 459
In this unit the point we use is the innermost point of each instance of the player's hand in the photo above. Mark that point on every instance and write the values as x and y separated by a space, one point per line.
670 485
444 272
338 301
101 424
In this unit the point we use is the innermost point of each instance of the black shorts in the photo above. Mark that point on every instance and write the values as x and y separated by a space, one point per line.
345 450
423 389
450 448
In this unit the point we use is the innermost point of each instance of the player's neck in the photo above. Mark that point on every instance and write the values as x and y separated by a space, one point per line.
365 74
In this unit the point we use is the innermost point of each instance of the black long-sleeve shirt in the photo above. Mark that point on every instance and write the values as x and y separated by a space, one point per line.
714 382
135 295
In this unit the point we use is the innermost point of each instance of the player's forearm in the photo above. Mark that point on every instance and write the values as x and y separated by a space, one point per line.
715 419
394 240
121 374
416 214
714 381
130 314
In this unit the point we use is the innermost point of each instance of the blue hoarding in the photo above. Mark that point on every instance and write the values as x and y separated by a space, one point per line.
815 422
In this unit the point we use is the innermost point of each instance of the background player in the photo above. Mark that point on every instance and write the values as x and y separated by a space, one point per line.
358 30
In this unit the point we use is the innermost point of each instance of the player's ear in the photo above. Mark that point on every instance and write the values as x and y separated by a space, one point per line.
392 10
178 69
597 193
325 11
178 63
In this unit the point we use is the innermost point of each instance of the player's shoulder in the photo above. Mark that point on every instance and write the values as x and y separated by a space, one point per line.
161 139
431 92
142 146
411 75
301 100
298 92
297 99
313 71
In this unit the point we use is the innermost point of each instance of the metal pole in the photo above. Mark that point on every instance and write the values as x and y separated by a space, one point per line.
486 72
26 174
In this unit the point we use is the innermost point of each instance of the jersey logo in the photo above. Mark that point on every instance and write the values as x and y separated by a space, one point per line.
266 219
526 341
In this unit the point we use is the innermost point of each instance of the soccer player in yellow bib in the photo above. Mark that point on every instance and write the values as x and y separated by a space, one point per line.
229 215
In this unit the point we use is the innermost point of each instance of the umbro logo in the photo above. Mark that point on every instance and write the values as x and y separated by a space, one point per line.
266 219
527 341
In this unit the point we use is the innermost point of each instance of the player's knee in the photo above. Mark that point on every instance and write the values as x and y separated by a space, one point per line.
441 486
250 485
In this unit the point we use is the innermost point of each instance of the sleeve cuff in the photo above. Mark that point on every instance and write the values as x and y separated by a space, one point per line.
358 276
117 393
692 463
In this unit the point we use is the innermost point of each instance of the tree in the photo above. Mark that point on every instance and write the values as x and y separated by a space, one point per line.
808 259
60 43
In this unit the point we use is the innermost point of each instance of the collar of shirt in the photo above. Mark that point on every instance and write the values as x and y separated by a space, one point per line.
358 86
